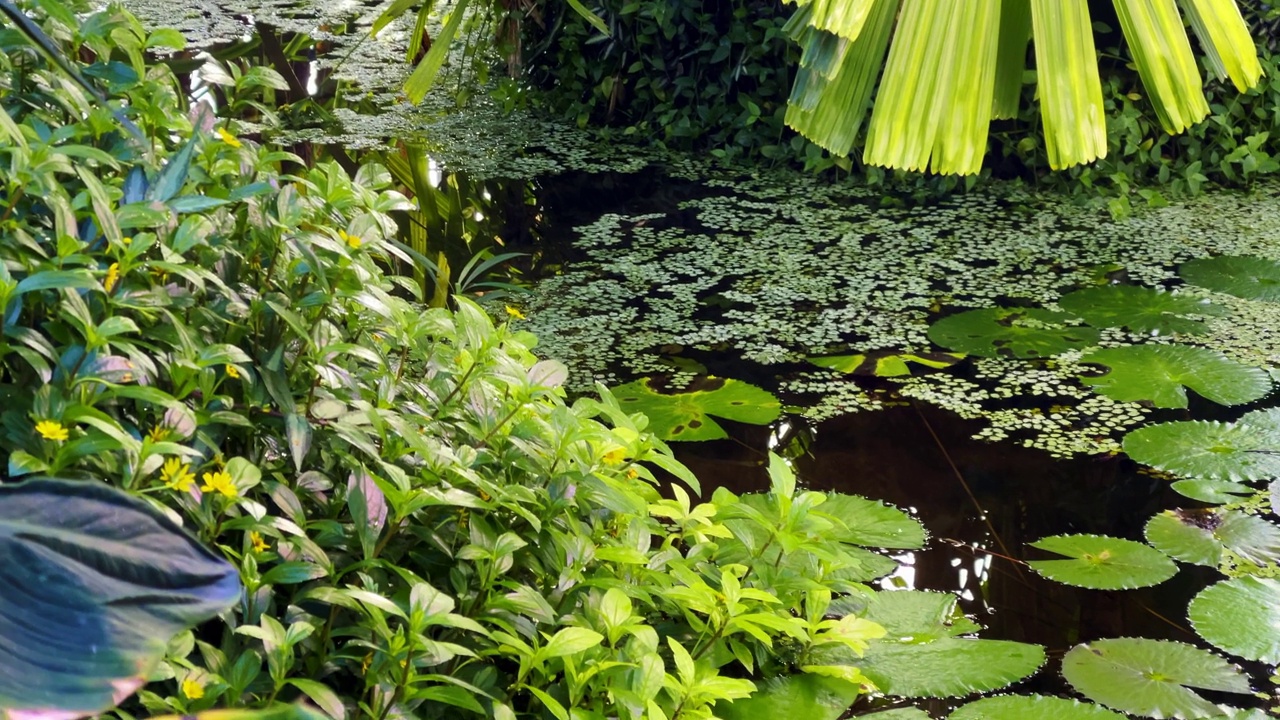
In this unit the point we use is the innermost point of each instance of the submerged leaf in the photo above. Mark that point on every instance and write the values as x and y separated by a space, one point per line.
1141 310
1252 278
688 415
1024 707
1152 678
1157 374
1103 563
1008 332
1240 616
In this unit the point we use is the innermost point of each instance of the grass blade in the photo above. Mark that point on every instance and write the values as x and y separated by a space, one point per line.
424 76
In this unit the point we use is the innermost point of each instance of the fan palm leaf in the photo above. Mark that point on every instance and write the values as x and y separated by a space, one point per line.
953 65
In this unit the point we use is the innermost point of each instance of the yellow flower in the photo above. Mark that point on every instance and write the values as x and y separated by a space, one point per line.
233 372
514 312
228 138
52 430
113 276
177 475
352 241
192 689
158 433
259 545
219 481
615 456
632 473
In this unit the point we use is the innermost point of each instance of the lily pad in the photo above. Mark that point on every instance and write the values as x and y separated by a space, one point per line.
1139 309
886 363
1245 276
920 655
93 583
1216 492
1157 374
1103 563
689 415
1202 536
1040 707
871 523
1240 616
1152 678
905 713
1026 333
1243 451
796 696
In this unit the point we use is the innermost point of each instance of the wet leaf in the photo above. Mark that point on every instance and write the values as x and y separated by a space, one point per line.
1026 333
1243 451
871 523
808 696
1215 492
1158 374
1244 276
949 667
1140 310
1240 616
1153 678
1172 534
1103 563
1024 707
689 415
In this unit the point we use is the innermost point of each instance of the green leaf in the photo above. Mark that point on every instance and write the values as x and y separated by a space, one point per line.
571 641
1151 677
949 667
1157 373
886 363
1215 492
1071 108
292 573
95 583
1162 53
1025 707
1246 450
1252 278
871 523
1182 536
1240 616
174 175
688 415
1224 37
1103 563
1140 310
424 76
808 696
589 16
918 616
322 696
1011 332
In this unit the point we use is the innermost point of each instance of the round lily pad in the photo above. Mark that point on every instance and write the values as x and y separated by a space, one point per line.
1246 450
1216 492
1011 332
1245 276
689 415
1023 707
1103 563
871 523
949 667
1152 678
1240 616
1141 310
1158 374
1186 536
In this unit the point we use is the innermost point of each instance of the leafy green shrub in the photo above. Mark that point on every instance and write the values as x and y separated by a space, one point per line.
421 523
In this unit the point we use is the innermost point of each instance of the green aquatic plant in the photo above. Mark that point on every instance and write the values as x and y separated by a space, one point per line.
1240 616
808 696
1250 277
1159 373
1244 451
1211 536
1140 310
886 363
1152 678
689 415
1102 563
1023 707
1025 333
96 583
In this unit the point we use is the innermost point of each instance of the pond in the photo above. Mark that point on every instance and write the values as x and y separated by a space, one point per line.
975 359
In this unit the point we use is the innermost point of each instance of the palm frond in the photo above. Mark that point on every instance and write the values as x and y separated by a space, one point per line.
1162 52
1011 61
844 18
1075 126
1224 37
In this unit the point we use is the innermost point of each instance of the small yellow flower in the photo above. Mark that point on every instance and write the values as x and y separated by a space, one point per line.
113 276
354 242
177 475
192 689
259 545
632 473
158 433
514 312
233 372
615 456
228 138
219 481
52 430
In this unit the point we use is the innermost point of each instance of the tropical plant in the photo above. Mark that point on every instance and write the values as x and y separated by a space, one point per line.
953 67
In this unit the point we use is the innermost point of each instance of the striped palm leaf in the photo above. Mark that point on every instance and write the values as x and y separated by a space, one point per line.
954 65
